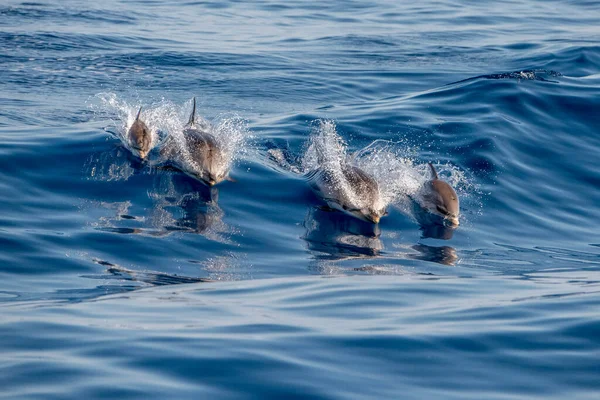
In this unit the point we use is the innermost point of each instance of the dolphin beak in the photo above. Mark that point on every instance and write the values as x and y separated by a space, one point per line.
452 222
140 151
375 219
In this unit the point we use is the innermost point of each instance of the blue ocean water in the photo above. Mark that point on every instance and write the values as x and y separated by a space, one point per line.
122 279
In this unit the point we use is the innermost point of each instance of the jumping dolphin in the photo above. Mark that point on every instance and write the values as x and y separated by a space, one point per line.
347 188
356 193
441 199
139 136
207 162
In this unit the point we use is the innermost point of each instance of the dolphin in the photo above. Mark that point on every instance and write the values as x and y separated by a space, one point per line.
352 191
441 199
207 162
139 136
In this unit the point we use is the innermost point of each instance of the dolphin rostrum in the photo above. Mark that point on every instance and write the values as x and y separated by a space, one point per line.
139 136
441 199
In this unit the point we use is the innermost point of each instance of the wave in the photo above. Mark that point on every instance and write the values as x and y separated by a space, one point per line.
525 75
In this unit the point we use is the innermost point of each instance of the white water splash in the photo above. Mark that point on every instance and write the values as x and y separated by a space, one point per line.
229 130
125 113
394 175
167 119
328 151
393 165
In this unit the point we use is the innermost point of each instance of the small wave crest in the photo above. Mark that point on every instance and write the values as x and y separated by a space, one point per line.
542 75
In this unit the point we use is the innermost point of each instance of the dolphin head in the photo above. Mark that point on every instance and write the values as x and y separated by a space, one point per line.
443 200
367 214
204 176
374 215
139 136
365 204
210 177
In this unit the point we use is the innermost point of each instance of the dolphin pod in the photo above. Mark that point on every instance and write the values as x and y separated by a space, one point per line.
346 188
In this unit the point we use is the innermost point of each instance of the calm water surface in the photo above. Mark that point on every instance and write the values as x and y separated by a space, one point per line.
129 280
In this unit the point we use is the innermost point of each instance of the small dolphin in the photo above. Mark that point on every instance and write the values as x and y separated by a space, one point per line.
207 162
358 194
441 199
139 136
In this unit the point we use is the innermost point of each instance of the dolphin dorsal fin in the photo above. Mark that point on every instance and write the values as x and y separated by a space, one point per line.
191 121
138 114
434 174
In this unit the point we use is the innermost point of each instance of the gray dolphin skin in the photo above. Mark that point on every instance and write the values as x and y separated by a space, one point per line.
140 137
208 161
354 192
441 199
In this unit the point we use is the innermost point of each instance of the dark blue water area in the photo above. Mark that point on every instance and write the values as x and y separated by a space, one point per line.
131 280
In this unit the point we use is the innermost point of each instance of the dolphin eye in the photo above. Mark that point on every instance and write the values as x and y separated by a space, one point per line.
442 210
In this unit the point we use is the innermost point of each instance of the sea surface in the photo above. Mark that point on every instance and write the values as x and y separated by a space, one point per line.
123 279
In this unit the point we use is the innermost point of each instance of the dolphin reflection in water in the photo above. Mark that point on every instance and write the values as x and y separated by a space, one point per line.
182 204
178 204
445 255
333 236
